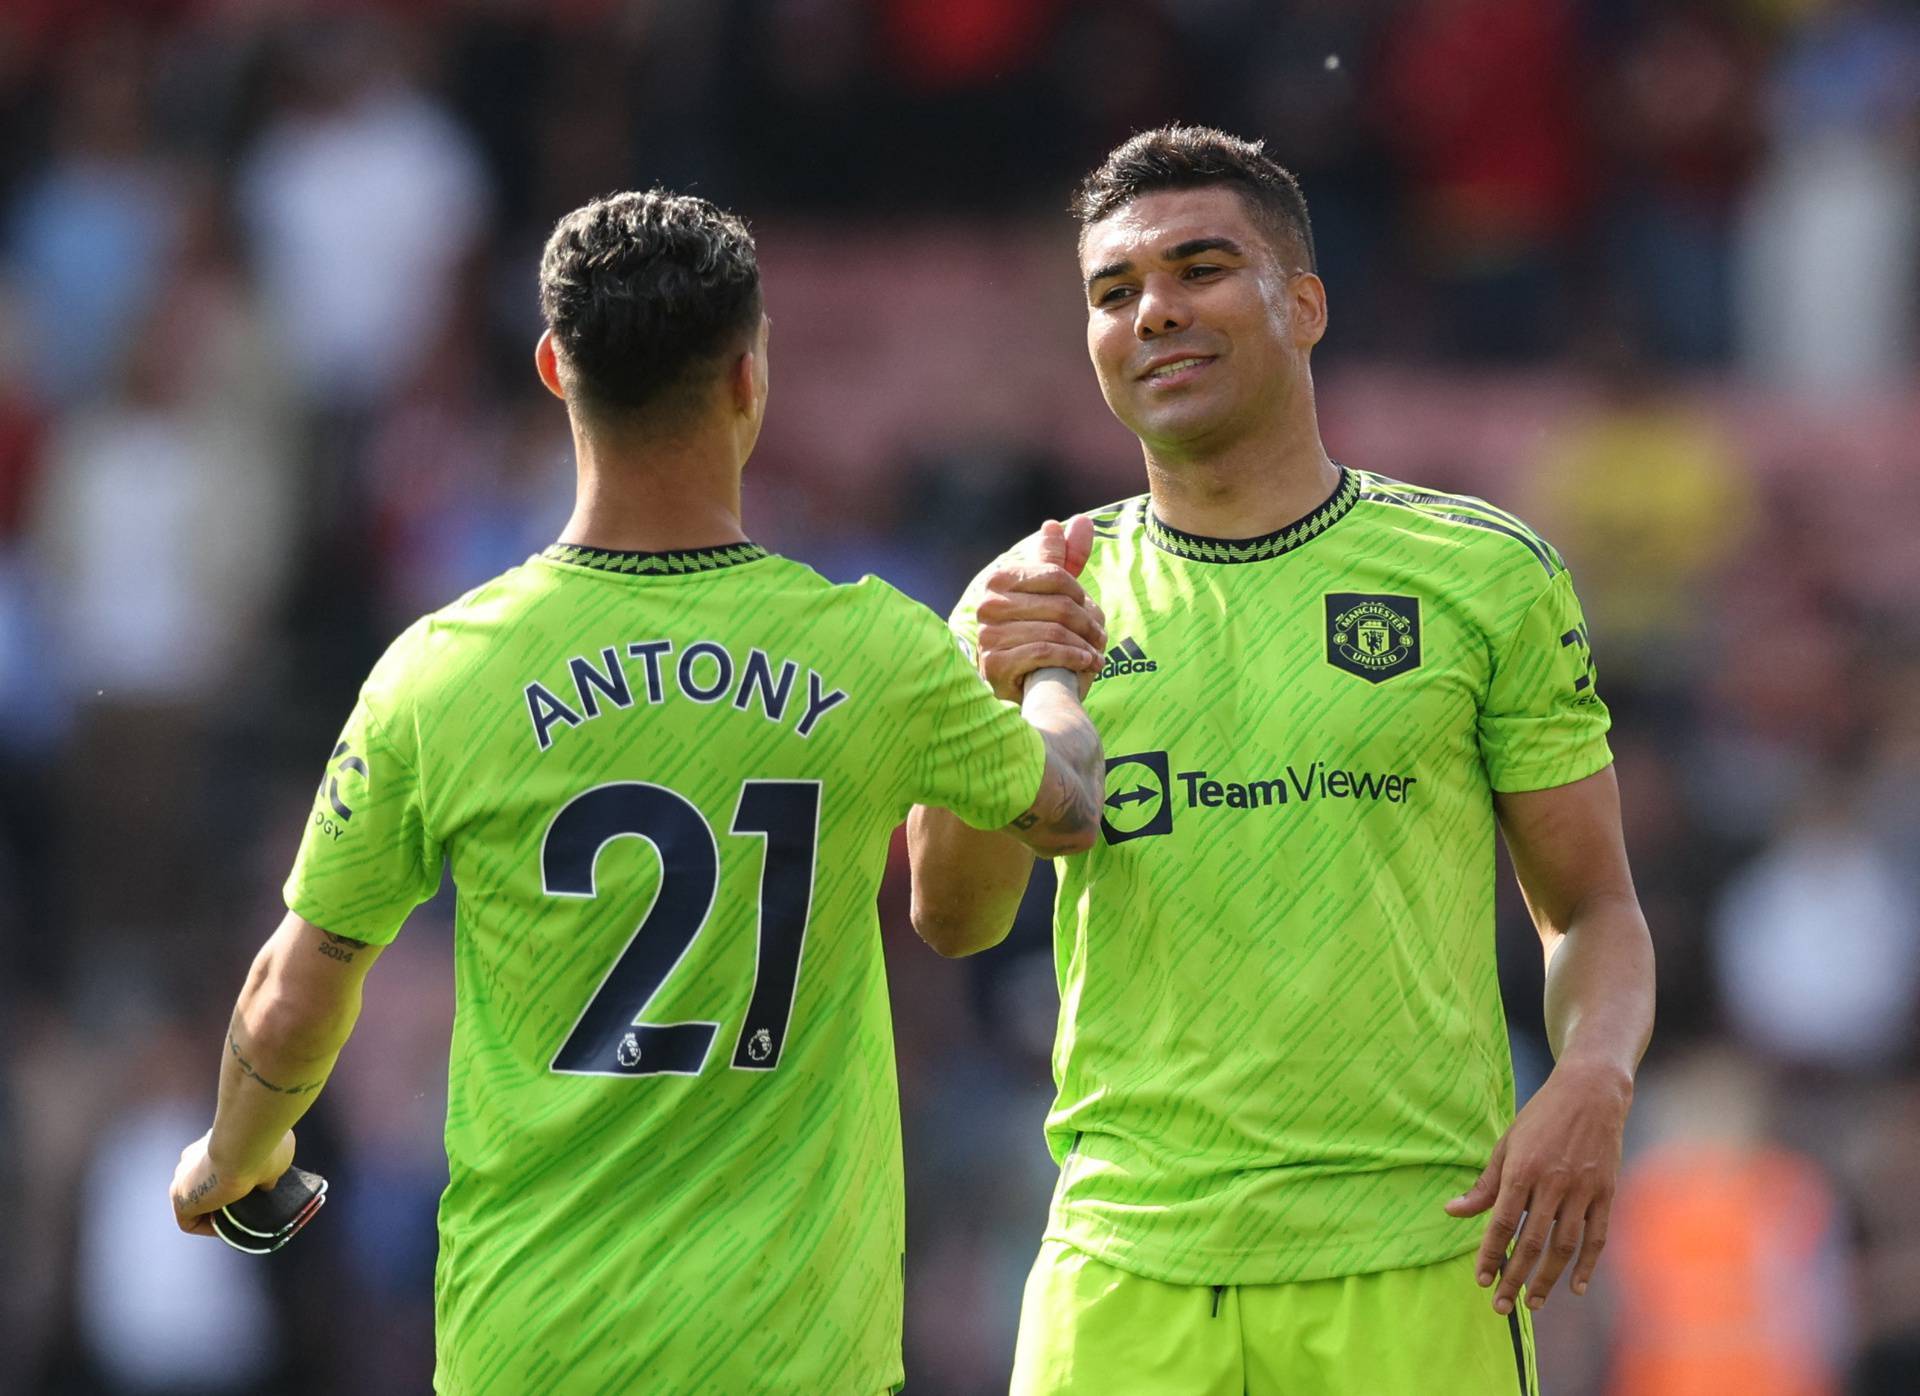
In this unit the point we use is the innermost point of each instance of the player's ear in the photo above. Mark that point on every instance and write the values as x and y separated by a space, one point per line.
1309 296
547 365
747 380
743 384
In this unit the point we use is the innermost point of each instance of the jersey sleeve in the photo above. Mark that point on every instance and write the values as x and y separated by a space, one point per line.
368 857
1542 723
968 751
964 620
964 626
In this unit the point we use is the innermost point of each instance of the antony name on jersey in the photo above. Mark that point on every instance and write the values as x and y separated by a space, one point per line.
704 672
665 785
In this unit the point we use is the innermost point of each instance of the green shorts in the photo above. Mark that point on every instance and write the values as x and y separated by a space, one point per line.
1086 1327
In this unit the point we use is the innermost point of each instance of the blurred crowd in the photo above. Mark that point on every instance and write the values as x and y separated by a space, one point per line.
1647 271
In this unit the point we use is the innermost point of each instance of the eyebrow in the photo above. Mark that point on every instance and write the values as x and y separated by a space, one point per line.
1192 247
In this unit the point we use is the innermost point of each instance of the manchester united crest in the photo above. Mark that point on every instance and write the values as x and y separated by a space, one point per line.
1375 637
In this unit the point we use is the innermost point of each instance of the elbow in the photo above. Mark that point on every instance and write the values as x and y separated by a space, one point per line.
1073 828
1063 841
952 934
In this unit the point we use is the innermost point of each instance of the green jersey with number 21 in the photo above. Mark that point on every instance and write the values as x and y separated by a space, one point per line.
665 785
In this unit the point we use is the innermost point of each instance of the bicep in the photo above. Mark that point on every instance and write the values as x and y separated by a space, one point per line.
306 971
1567 845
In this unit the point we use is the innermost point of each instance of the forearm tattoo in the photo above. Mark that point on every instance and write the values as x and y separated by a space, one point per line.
1077 798
247 1066
1081 809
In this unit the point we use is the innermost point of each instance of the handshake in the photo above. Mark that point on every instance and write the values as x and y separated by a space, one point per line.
1033 614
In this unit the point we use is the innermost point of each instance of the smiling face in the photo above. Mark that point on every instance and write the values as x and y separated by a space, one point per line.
1199 319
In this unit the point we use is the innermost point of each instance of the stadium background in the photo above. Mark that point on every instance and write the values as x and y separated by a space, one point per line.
1642 270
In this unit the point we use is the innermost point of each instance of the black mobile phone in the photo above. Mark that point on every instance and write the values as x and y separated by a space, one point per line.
267 1218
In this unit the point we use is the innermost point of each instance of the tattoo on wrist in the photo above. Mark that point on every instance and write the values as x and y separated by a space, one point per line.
247 1066
341 948
202 1188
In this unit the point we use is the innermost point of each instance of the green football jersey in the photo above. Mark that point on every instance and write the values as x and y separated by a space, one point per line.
665 785
1281 1045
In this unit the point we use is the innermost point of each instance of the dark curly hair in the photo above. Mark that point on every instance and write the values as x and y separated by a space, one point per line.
1193 157
642 291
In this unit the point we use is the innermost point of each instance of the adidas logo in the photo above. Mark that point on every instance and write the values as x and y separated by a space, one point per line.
1126 658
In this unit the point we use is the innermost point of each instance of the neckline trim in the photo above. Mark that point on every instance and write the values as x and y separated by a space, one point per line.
1199 548
637 564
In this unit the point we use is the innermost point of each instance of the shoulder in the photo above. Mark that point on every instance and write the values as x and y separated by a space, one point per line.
1116 528
1109 520
886 609
475 615
869 616
1116 532
1460 521
870 596
438 652
782 581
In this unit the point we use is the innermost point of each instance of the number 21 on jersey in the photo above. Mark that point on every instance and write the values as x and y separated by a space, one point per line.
611 1037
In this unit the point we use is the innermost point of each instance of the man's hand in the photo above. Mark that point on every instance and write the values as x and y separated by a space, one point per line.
1560 1162
1559 1165
200 1188
1034 614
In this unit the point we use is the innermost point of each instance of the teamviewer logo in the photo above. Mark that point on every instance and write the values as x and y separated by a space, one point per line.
1136 801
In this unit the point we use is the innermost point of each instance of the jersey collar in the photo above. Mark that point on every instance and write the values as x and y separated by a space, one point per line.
634 564
1268 545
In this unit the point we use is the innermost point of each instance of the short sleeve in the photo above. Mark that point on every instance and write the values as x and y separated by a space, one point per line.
970 752
367 857
964 620
1542 723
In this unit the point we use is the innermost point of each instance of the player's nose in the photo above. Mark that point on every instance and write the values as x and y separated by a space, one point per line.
1160 309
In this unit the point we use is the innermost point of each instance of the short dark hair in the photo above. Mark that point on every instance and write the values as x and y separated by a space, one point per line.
642 290
1193 157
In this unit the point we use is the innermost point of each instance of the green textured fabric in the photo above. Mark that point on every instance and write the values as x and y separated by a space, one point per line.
1281 1045
1091 1329
666 789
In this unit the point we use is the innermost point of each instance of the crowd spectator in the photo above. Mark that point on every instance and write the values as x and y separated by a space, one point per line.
1678 119
1828 275
1479 100
89 235
362 198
